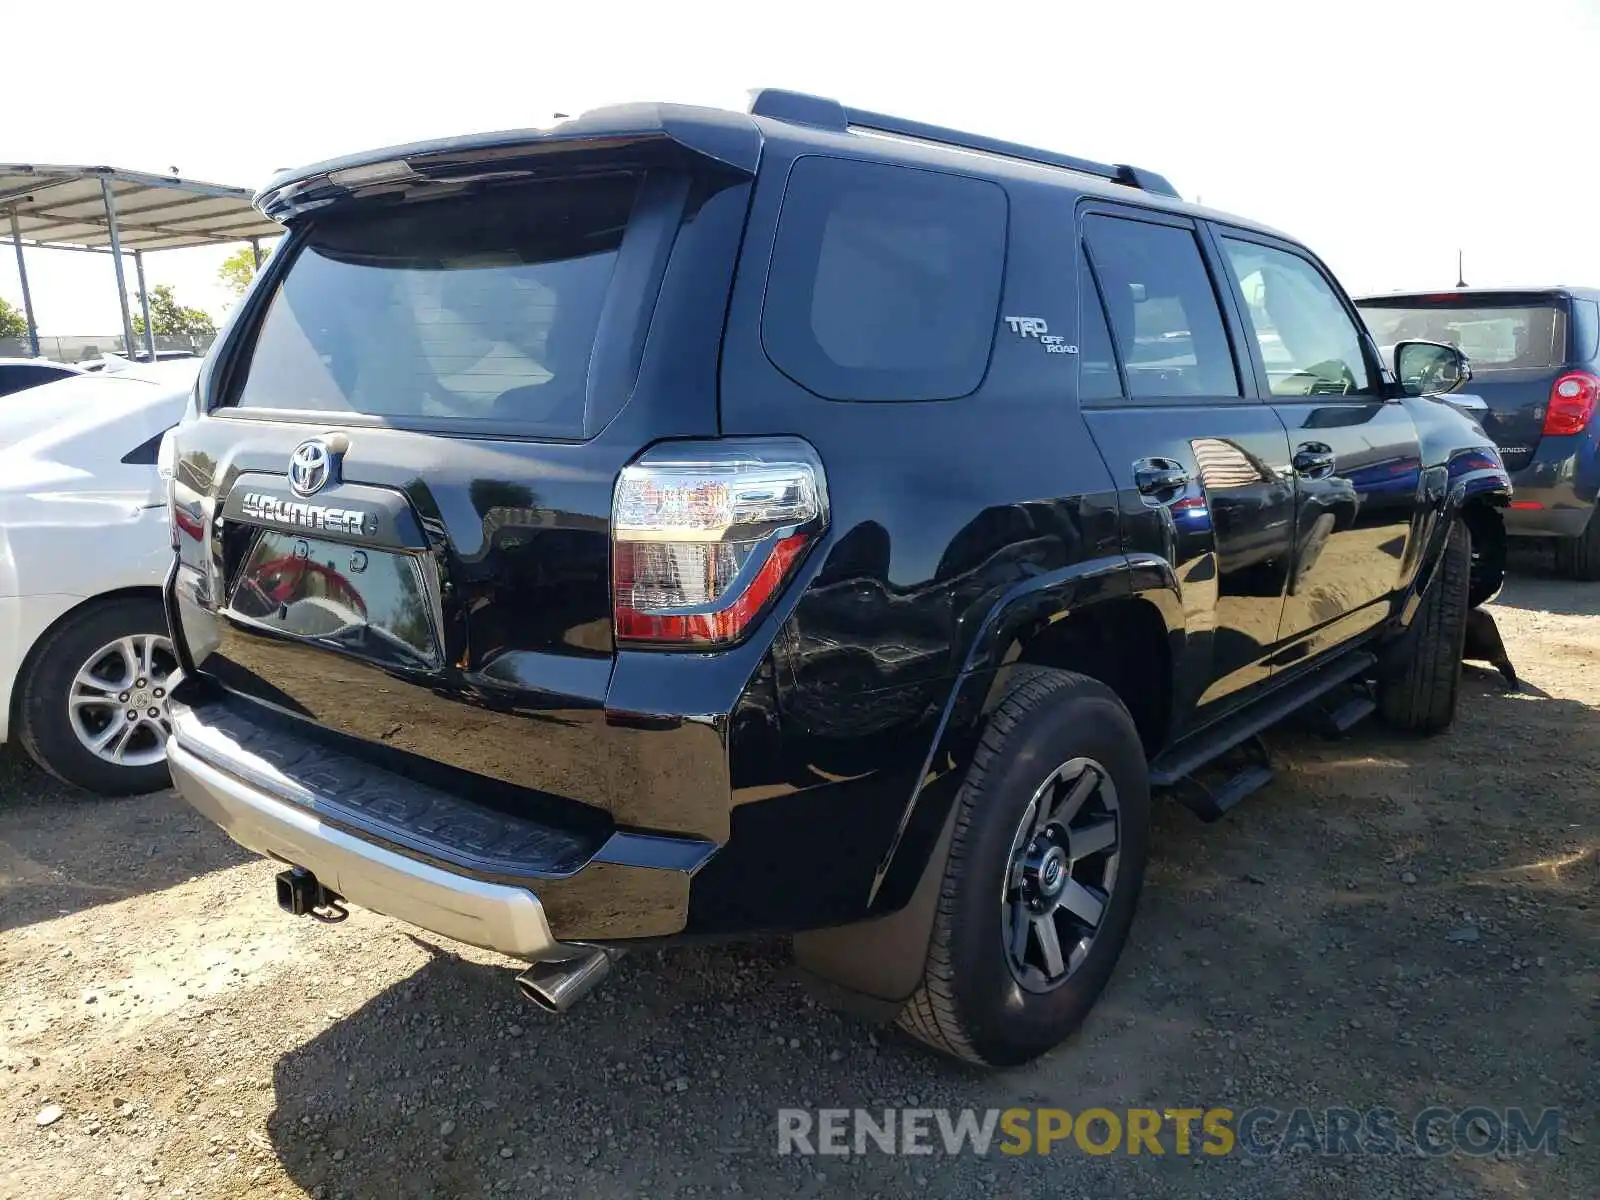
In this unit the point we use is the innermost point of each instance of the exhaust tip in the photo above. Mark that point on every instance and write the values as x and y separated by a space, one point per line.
557 986
534 995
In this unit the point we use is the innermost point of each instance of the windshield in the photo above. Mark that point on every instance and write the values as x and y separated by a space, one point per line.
1506 337
479 306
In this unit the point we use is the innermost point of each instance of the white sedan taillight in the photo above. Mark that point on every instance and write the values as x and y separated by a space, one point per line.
704 534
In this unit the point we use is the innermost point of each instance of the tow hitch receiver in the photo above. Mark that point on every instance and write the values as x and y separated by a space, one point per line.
301 895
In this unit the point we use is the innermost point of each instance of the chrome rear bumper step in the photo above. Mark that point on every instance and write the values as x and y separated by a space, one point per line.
493 916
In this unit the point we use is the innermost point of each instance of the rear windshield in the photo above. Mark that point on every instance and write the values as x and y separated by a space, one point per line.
14 377
480 306
1491 336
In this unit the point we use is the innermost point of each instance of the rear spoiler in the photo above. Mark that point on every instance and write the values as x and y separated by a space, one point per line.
730 140
1468 298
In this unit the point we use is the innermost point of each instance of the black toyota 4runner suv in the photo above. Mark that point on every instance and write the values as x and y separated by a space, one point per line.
686 523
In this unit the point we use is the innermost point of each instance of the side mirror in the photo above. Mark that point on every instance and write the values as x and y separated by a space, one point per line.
1430 368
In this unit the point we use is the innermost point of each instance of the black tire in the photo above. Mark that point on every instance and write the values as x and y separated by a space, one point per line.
970 1004
1418 695
1579 558
44 726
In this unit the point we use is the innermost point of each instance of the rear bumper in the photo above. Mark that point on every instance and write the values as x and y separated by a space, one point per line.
1561 511
523 880
1548 521
1563 480
498 917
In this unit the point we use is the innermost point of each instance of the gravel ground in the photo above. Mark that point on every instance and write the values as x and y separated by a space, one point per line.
1390 923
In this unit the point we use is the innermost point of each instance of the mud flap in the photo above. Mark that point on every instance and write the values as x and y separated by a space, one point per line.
1484 644
871 968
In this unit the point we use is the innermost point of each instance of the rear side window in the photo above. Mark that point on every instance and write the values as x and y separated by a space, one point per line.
479 306
146 453
16 377
1164 315
1583 340
885 281
1097 364
1492 336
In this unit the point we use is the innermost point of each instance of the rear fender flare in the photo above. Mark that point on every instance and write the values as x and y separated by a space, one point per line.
1478 486
876 964
1018 614
1029 606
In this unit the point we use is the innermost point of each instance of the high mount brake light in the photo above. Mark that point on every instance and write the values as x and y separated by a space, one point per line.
705 534
1572 403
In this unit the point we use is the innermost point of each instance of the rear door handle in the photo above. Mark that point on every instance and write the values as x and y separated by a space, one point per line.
1314 460
1152 476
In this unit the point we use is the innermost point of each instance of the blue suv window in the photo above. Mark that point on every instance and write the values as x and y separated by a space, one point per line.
885 281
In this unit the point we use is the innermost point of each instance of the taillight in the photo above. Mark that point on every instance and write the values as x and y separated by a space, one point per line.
704 535
1572 403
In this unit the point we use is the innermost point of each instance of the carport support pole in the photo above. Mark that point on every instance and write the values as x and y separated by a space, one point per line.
27 296
110 199
144 304
255 248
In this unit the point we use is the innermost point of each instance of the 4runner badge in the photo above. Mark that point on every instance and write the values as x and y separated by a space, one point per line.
1035 327
259 506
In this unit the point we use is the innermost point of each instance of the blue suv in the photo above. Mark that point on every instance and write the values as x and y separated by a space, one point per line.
1536 363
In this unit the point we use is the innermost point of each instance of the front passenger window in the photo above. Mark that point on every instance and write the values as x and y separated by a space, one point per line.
1309 345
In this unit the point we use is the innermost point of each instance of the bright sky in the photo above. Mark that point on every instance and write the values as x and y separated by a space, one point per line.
1384 133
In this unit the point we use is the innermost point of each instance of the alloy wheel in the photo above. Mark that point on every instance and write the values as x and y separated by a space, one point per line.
1060 875
118 703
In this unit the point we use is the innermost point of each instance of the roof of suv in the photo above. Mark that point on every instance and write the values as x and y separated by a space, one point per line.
734 140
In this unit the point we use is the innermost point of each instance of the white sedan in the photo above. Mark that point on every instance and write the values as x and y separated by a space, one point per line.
85 662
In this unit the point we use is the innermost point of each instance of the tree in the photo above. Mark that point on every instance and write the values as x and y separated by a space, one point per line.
168 316
239 268
12 323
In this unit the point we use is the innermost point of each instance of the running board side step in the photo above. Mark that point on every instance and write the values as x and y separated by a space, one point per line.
1177 767
1209 801
1243 783
1352 712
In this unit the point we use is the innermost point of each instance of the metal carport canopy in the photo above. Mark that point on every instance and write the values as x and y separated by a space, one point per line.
114 211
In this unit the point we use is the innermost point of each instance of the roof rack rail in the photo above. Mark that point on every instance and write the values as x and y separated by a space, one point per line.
798 108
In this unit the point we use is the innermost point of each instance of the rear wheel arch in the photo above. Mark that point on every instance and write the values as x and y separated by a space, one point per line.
30 659
1128 643
1486 524
877 963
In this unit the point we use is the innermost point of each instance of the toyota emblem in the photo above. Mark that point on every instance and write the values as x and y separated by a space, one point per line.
310 467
